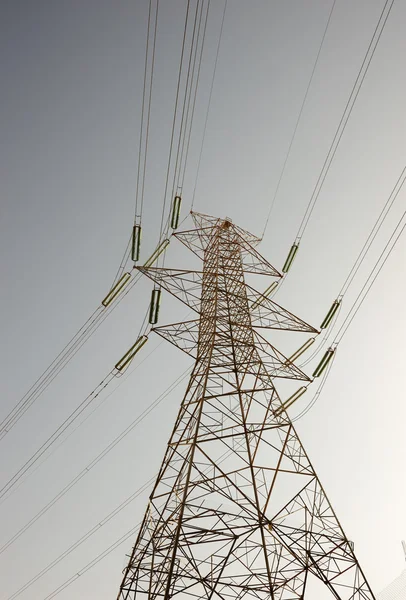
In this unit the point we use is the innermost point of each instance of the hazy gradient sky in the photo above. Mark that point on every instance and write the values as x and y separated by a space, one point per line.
71 73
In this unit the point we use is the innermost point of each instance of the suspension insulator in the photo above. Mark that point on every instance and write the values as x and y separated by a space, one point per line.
129 355
300 350
290 258
154 306
115 290
162 246
265 294
136 243
177 201
324 362
291 400
330 315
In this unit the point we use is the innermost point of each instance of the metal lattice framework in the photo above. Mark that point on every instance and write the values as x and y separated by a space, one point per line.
237 510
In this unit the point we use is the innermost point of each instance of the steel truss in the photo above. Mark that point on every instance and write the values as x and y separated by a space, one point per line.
237 510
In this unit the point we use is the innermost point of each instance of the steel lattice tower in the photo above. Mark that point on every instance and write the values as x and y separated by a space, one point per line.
237 510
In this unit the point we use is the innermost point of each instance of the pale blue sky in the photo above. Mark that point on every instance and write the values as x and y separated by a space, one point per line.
71 75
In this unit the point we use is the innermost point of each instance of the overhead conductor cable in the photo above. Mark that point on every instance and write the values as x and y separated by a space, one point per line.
346 115
326 361
209 104
298 119
182 179
340 130
174 118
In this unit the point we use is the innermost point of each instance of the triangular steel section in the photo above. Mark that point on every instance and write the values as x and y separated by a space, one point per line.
270 315
184 336
276 363
202 221
183 284
252 261
196 240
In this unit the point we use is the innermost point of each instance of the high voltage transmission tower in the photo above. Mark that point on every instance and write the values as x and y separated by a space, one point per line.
237 510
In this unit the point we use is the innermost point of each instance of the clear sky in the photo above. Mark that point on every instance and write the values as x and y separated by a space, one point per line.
72 74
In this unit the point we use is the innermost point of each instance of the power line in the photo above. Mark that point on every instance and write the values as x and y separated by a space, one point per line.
187 99
9 421
120 381
93 562
182 170
345 116
94 321
394 238
96 318
56 435
209 104
298 120
148 115
174 118
142 113
371 279
83 539
377 226
65 425
376 269
96 460
107 551
61 361
188 95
